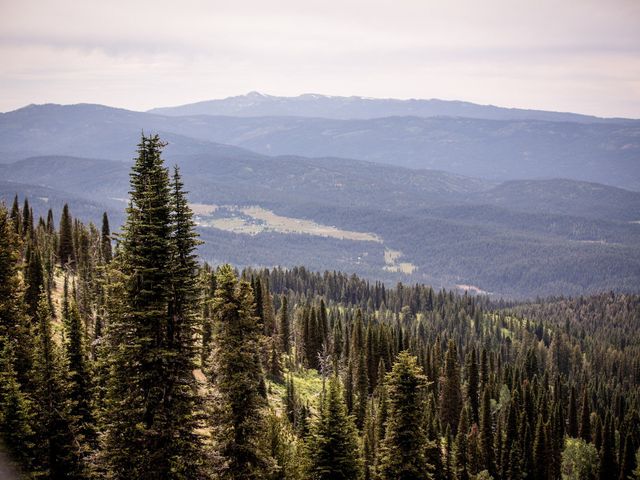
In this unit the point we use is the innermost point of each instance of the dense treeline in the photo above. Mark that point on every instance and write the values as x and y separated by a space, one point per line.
128 359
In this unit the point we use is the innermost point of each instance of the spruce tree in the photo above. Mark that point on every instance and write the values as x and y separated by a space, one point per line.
15 216
79 388
473 379
34 278
236 375
15 326
105 239
56 453
585 418
65 240
333 447
608 467
450 392
362 388
461 447
16 410
486 433
151 389
627 460
283 326
572 415
403 450
27 220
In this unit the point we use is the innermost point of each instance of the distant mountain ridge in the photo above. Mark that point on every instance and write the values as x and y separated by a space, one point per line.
499 150
256 104
519 238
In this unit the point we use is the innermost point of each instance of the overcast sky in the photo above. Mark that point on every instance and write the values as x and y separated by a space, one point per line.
569 55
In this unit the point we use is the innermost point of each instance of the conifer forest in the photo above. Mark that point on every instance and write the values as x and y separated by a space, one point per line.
123 356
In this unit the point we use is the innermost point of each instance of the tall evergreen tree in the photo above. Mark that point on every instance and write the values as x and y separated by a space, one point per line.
16 411
236 374
486 433
473 379
585 418
284 327
333 447
403 450
461 447
572 415
65 240
150 399
450 392
34 278
15 326
608 467
78 385
56 455
105 239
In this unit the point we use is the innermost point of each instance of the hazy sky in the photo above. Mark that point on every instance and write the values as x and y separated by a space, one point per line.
571 55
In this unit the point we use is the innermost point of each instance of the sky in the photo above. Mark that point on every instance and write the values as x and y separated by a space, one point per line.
570 55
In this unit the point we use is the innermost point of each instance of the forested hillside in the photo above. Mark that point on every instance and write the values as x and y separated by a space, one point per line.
122 356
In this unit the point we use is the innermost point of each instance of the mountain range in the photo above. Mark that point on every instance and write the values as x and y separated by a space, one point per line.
514 206
256 104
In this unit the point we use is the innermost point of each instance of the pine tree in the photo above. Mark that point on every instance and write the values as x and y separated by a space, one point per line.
473 379
486 434
27 220
15 216
56 455
151 389
541 453
283 326
105 239
65 241
333 447
15 326
403 450
461 447
450 392
608 467
34 278
362 388
627 460
572 415
585 418
236 374
16 417
78 385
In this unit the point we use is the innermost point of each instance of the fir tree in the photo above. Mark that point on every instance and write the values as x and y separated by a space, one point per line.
450 392
572 415
105 239
15 326
56 455
78 385
627 460
151 391
15 216
608 467
585 418
461 447
16 417
403 450
236 374
486 433
34 277
333 448
283 326
473 379
65 241
362 388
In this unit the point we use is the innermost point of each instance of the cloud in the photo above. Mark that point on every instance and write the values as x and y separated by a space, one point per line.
580 55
